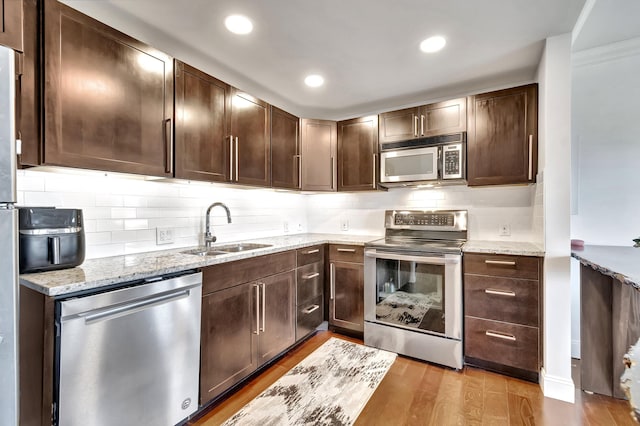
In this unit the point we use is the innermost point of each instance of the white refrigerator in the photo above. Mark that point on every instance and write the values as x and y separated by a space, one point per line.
9 396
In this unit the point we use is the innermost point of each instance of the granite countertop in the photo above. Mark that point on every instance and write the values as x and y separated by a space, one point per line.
621 263
96 273
504 247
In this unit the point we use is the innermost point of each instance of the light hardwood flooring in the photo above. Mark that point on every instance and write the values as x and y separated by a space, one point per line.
418 393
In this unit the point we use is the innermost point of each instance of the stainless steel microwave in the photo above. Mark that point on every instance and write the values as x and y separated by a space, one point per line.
435 159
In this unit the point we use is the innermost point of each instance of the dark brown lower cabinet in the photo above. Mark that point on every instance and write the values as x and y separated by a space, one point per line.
346 292
247 319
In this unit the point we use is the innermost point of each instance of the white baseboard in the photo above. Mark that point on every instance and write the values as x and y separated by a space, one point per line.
557 387
575 349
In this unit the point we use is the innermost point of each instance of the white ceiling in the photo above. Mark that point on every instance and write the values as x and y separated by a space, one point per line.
606 22
367 50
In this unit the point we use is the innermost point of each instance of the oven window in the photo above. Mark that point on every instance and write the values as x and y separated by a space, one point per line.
410 294
405 165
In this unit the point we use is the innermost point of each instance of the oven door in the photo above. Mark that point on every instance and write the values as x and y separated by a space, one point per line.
409 165
414 291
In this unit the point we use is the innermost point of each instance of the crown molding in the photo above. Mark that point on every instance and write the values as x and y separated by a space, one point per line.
606 53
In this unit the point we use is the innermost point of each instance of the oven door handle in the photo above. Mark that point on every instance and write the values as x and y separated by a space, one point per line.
439 260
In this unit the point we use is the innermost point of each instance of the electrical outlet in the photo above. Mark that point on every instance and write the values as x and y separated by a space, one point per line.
505 230
344 224
299 227
165 236
286 227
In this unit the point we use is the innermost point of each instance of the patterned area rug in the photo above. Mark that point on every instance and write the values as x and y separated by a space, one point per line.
330 386
406 309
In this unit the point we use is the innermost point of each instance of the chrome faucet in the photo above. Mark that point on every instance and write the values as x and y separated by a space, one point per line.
209 238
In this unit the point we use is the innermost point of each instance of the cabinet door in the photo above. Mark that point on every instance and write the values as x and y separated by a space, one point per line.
399 125
108 98
251 130
228 338
277 311
28 111
11 24
319 150
443 117
285 149
502 139
346 304
358 154
202 145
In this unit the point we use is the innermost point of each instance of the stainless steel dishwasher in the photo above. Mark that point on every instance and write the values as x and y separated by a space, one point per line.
130 356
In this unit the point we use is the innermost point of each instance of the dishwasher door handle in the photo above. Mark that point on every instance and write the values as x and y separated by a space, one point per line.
128 308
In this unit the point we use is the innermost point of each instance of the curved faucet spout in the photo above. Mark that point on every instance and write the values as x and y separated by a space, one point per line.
209 238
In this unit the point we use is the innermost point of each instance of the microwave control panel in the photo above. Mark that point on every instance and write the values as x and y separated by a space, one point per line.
452 161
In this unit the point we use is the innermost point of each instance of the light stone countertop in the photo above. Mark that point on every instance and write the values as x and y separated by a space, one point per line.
621 263
98 273
504 247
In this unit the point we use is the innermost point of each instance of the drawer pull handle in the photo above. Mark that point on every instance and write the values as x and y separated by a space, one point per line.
503 336
500 292
308 277
347 250
501 262
313 251
311 309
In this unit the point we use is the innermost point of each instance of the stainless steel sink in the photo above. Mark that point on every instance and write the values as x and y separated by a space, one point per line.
234 248
225 249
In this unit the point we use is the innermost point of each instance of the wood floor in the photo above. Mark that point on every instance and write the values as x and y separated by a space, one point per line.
417 393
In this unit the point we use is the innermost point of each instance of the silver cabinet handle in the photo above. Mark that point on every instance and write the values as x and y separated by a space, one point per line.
500 262
500 292
236 158
299 157
54 246
422 125
257 287
332 284
530 157
503 336
231 158
308 277
332 170
168 146
345 250
415 125
375 157
264 305
313 251
310 309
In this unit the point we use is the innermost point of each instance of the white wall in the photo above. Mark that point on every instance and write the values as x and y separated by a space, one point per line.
122 213
554 76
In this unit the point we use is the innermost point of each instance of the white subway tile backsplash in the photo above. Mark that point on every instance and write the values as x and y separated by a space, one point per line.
133 224
103 225
43 199
123 213
107 200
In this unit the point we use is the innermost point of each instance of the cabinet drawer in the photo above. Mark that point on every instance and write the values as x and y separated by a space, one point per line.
310 282
500 265
309 317
503 343
310 255
501 299
225 275
346 253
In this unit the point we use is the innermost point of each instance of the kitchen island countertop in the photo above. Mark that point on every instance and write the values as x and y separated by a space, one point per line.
95 274
619 262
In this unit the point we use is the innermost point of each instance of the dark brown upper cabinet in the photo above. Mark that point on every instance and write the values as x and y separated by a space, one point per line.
285 150
502 142
358 154
28 111
319 152
250 138
202 125
11 24
108 98
427 120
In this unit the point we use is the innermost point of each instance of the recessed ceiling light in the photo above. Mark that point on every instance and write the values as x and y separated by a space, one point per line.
314 80
238 24
433 44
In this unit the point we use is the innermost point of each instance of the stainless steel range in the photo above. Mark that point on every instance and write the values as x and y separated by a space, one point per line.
413 285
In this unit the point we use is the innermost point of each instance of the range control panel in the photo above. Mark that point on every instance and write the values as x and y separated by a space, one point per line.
429 219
